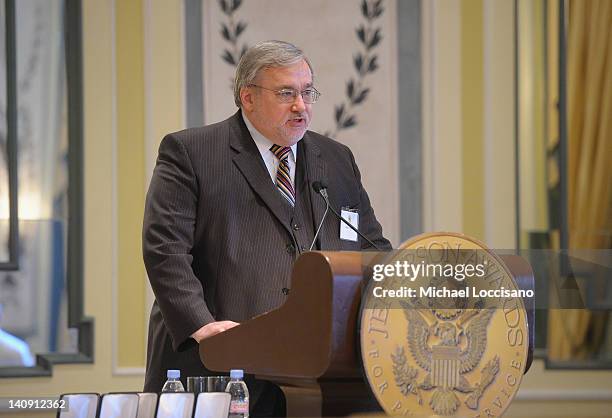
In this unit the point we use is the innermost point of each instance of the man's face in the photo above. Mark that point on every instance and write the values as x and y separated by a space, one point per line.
282 123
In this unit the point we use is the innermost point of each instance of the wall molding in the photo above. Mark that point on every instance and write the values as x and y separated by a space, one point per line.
499 129
442 142
567 395
114 194
148 138
128 371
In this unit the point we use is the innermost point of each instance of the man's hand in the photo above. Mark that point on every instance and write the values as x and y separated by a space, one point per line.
212 328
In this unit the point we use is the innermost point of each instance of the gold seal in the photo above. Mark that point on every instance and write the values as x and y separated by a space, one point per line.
458 350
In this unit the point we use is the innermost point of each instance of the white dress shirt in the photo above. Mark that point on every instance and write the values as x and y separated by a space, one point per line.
263 145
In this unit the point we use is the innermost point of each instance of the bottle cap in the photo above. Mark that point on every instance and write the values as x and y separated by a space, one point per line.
236 374
173 374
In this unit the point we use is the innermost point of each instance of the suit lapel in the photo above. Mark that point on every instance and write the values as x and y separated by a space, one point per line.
249 162
316 169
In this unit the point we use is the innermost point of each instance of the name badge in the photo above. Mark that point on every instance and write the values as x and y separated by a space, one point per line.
346 233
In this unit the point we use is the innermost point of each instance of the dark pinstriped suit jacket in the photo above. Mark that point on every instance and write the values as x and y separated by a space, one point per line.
216 233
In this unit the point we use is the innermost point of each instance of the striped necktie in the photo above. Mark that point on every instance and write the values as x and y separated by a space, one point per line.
283 176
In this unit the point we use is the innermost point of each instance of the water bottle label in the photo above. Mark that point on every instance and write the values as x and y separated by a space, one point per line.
239 407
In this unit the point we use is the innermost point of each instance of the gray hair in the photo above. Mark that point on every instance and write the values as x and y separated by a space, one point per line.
261 56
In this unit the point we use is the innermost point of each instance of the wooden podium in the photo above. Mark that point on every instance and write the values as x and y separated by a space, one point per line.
310 345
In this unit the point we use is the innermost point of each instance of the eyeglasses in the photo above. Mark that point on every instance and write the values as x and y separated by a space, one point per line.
288 95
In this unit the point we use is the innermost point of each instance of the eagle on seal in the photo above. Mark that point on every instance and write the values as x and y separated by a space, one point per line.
461 342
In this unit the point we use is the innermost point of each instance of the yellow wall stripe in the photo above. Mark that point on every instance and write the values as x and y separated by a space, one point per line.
539 88
130 182
471 114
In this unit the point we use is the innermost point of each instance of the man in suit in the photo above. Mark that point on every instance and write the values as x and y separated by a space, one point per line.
231 206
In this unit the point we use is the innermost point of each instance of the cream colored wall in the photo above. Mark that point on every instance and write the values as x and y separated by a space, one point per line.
468 119
150 43
129 94
442 122
498 124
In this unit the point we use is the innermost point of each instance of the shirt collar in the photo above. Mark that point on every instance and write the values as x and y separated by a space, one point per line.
263 143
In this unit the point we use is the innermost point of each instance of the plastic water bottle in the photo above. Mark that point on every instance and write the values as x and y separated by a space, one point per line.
173 384
239 404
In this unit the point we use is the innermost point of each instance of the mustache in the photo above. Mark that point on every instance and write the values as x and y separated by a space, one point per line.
299 116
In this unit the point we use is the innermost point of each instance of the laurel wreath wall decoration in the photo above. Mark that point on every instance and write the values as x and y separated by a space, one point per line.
231 31
365 61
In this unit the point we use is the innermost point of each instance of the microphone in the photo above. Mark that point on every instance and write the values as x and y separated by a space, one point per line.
320 187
